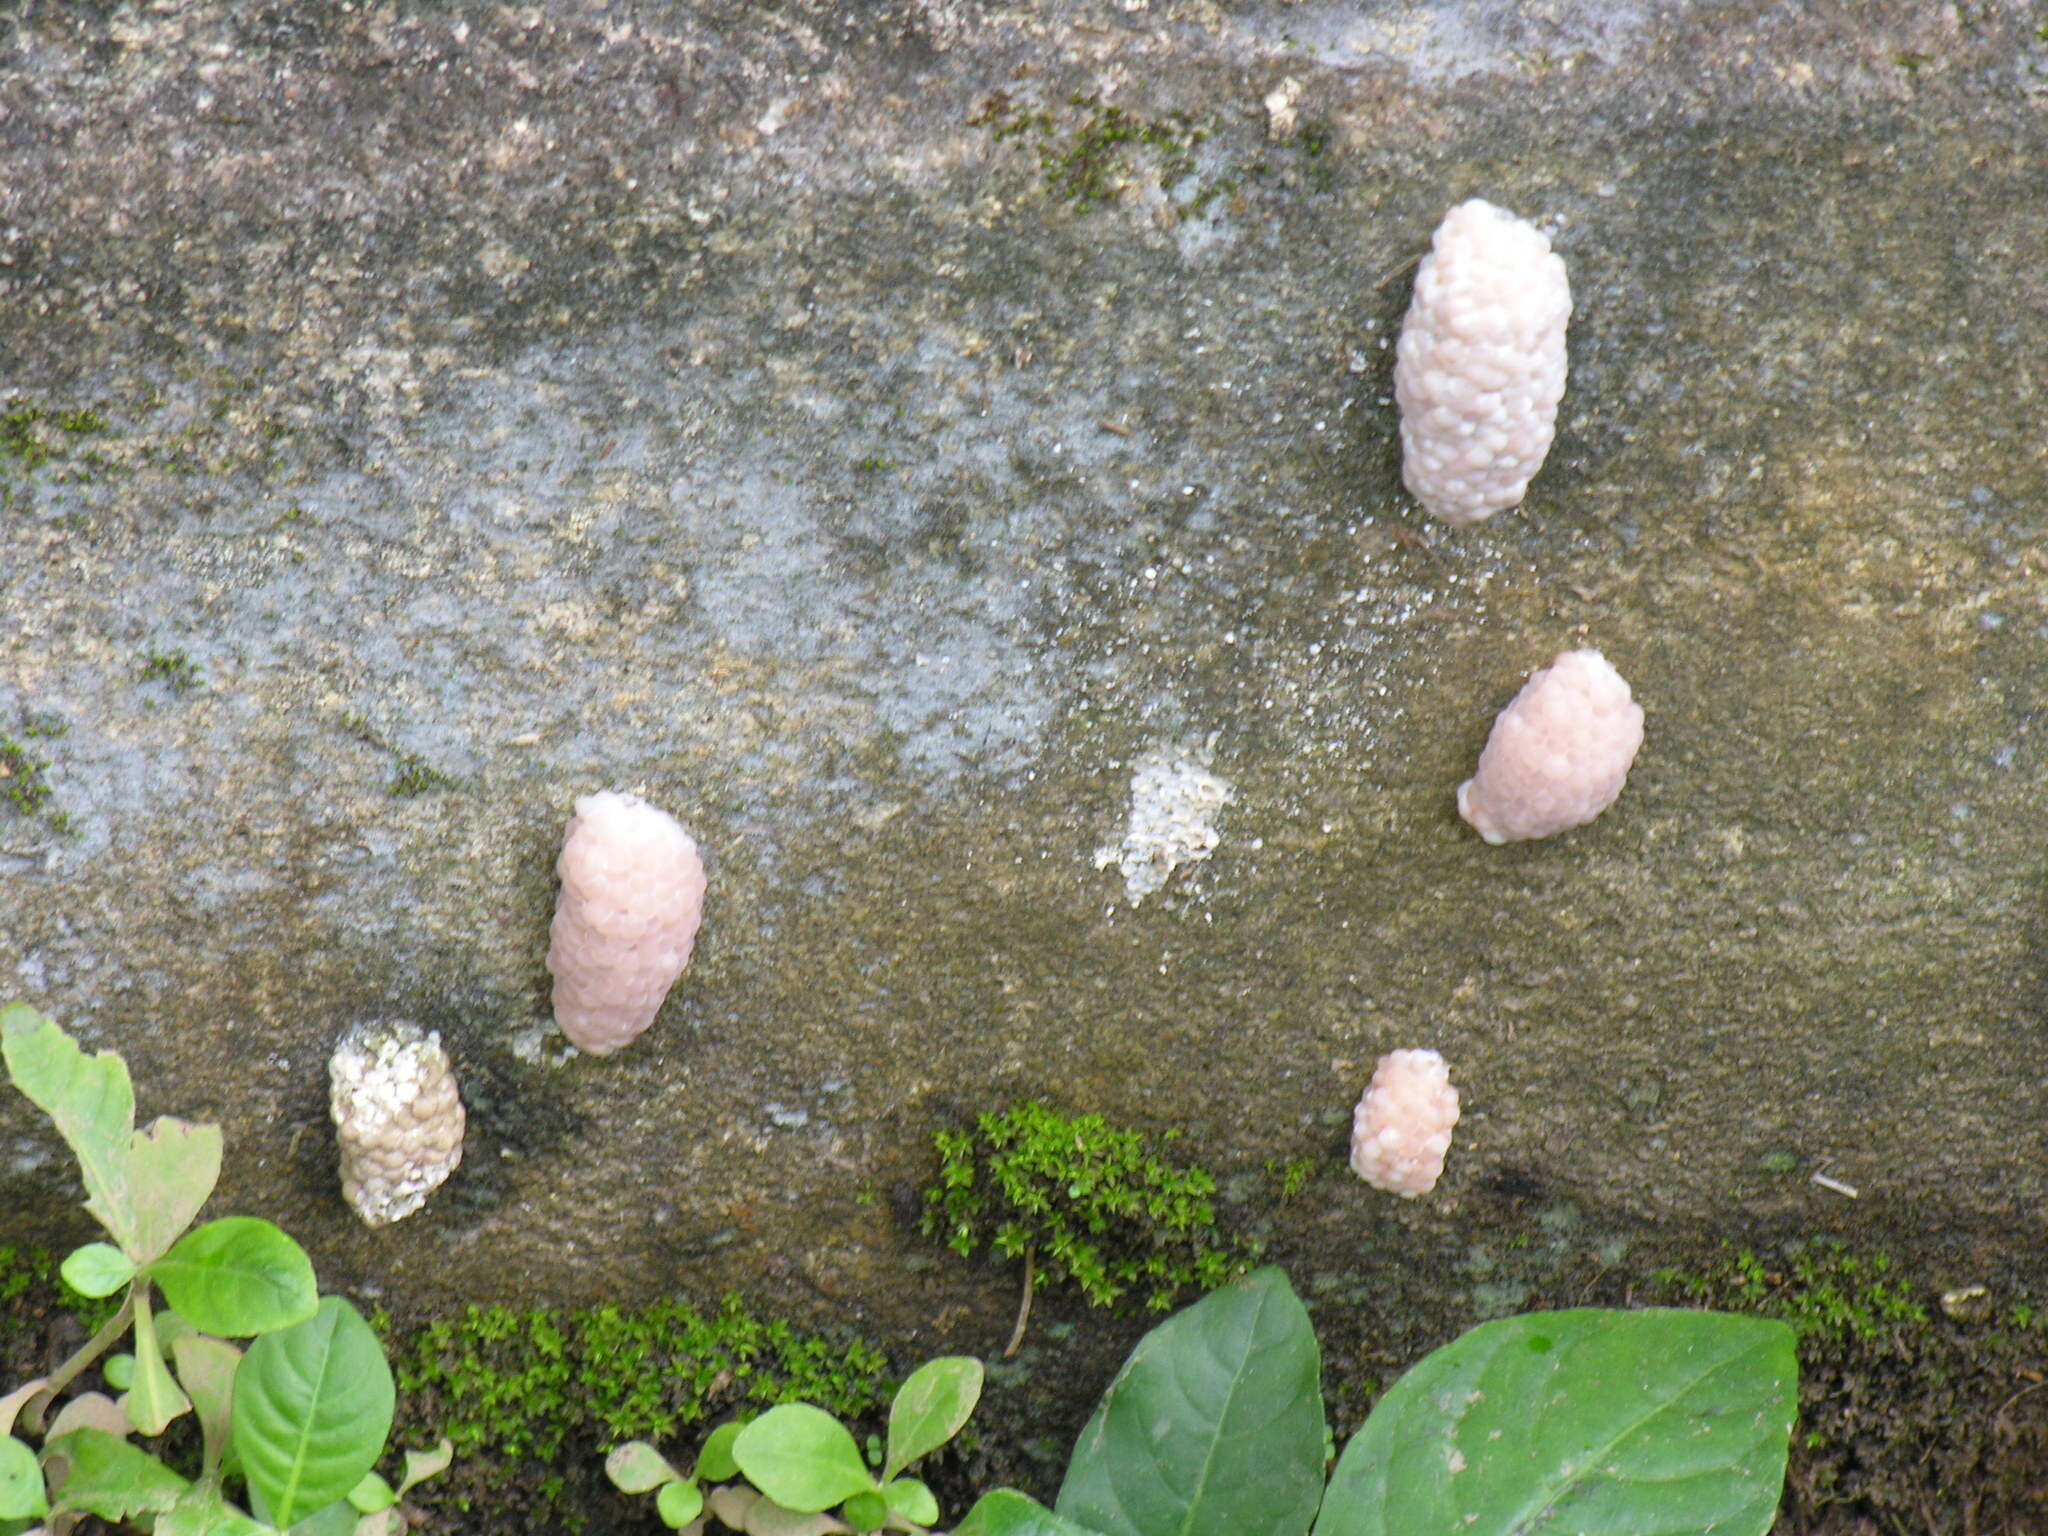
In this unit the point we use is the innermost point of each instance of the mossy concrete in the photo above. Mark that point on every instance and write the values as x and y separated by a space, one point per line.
709 400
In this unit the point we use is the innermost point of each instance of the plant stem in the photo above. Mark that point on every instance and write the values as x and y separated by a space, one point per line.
1023 1307
108 1336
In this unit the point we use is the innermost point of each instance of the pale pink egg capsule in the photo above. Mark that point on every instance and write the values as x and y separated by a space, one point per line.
1402 1127
1559 753
632 896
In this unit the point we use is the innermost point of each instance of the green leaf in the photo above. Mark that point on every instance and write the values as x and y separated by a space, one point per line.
930 1408
119 1370
802 1458
1587 1420
113 1479
312 1410
97 1269
206 1370
421 1465
336 1519
172 1168
238 1276
910 1499
21 1482
91 1101
865 1511
372 1494
203 1512
714 1461
153 1398
12 1403
678 1504
637 1467
1214 1425
1006 1512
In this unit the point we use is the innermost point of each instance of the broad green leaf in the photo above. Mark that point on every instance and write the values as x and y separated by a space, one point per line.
372 1494
113 1479
153 1398
1580 1421
91 1101
714 1461
421 1465
637 1467
1213 1427
911 1500
312 1409
1006 1512
336 1519
930 1408
172 1168
21 1481
865 1511
206 1370
802 1458
238 1276
678 1504
119 1370
97 1269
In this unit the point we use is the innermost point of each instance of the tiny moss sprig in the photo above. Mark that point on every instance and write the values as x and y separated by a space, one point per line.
1826 1292
173 668
1080 1200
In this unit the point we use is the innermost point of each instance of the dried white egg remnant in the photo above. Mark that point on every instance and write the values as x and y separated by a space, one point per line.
1558 754
1480 365
397 1115
1174 803
632 896
1402 1127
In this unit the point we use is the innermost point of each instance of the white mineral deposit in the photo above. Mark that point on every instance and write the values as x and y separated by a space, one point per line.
1402 1127
632 896
1480 365
1558 754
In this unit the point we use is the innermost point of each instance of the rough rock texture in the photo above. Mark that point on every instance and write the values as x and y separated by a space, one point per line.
626 920
1558 755
1480 365
397 1116
814 415
1402 1126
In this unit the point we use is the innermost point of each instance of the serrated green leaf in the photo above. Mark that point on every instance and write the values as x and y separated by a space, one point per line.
21 1481
206 1370
1214 1426
637 1467
1585 1420
97 1269
238 1276
313 1407
714 1461
678 1504
91 1101
153 1398
111 1478
802 1458
911 1500
930 1409
203 1512
172 1168
1006 1512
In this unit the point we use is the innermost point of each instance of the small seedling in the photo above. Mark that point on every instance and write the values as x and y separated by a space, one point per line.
173 668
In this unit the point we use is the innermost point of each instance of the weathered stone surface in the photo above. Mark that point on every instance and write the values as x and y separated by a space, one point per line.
735 404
